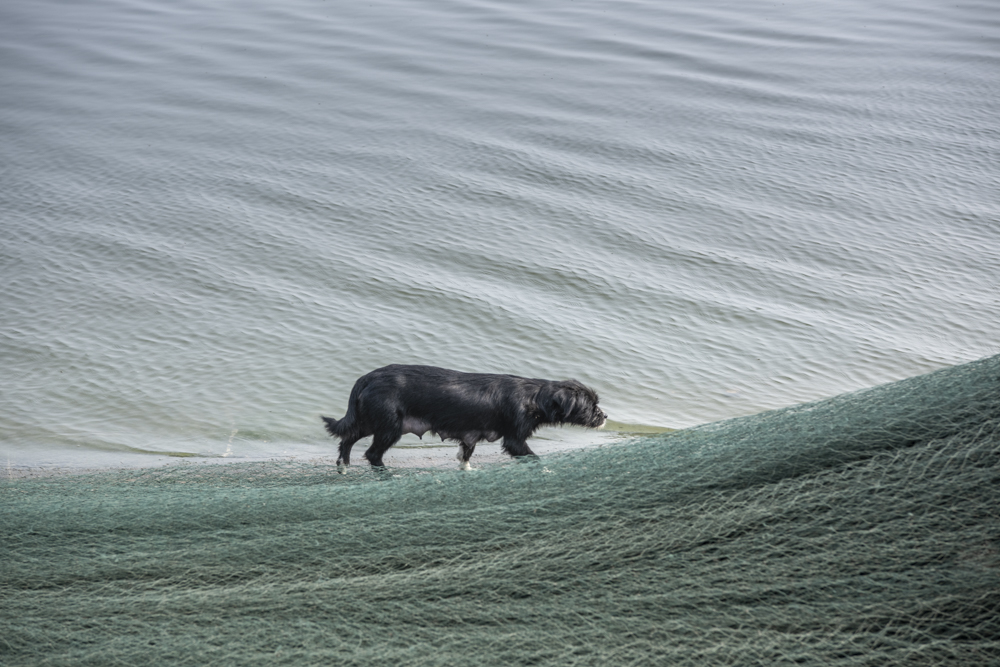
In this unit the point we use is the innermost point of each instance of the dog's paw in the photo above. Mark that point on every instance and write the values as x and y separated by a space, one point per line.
341 468
465 465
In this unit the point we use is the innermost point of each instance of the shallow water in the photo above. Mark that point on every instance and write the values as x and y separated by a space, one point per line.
216 216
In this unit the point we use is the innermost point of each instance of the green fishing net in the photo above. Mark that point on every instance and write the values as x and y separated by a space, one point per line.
859 530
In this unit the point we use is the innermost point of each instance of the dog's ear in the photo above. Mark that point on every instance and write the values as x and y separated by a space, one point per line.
556 403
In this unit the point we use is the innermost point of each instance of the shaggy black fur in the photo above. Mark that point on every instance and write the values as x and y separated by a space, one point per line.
467 407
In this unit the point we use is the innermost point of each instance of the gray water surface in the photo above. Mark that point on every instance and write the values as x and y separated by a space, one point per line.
217 215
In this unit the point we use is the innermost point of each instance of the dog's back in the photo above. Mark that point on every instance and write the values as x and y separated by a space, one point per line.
449 400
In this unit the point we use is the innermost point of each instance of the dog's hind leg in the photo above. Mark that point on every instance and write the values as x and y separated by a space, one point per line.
381 444
344 459
349 432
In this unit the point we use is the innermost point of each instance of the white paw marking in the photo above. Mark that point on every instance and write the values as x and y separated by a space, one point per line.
341 468
465 465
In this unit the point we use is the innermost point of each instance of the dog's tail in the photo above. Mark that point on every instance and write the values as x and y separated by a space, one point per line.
333 426
348 427
345 429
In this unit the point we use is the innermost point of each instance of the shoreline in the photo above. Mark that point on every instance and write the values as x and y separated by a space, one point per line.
436 457
439 456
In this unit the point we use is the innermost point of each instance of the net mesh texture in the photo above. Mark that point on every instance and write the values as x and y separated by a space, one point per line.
858 530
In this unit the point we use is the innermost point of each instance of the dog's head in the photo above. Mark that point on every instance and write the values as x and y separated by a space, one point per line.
570 402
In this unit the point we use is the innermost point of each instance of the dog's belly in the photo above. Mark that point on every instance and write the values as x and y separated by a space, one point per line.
469 437
416 426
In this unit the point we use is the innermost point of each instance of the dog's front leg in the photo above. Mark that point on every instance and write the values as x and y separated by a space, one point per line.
465 449
518 447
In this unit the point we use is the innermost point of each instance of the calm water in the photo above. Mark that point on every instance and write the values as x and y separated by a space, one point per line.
217 215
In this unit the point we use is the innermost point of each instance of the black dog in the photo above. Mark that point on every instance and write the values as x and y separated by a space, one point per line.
467 407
